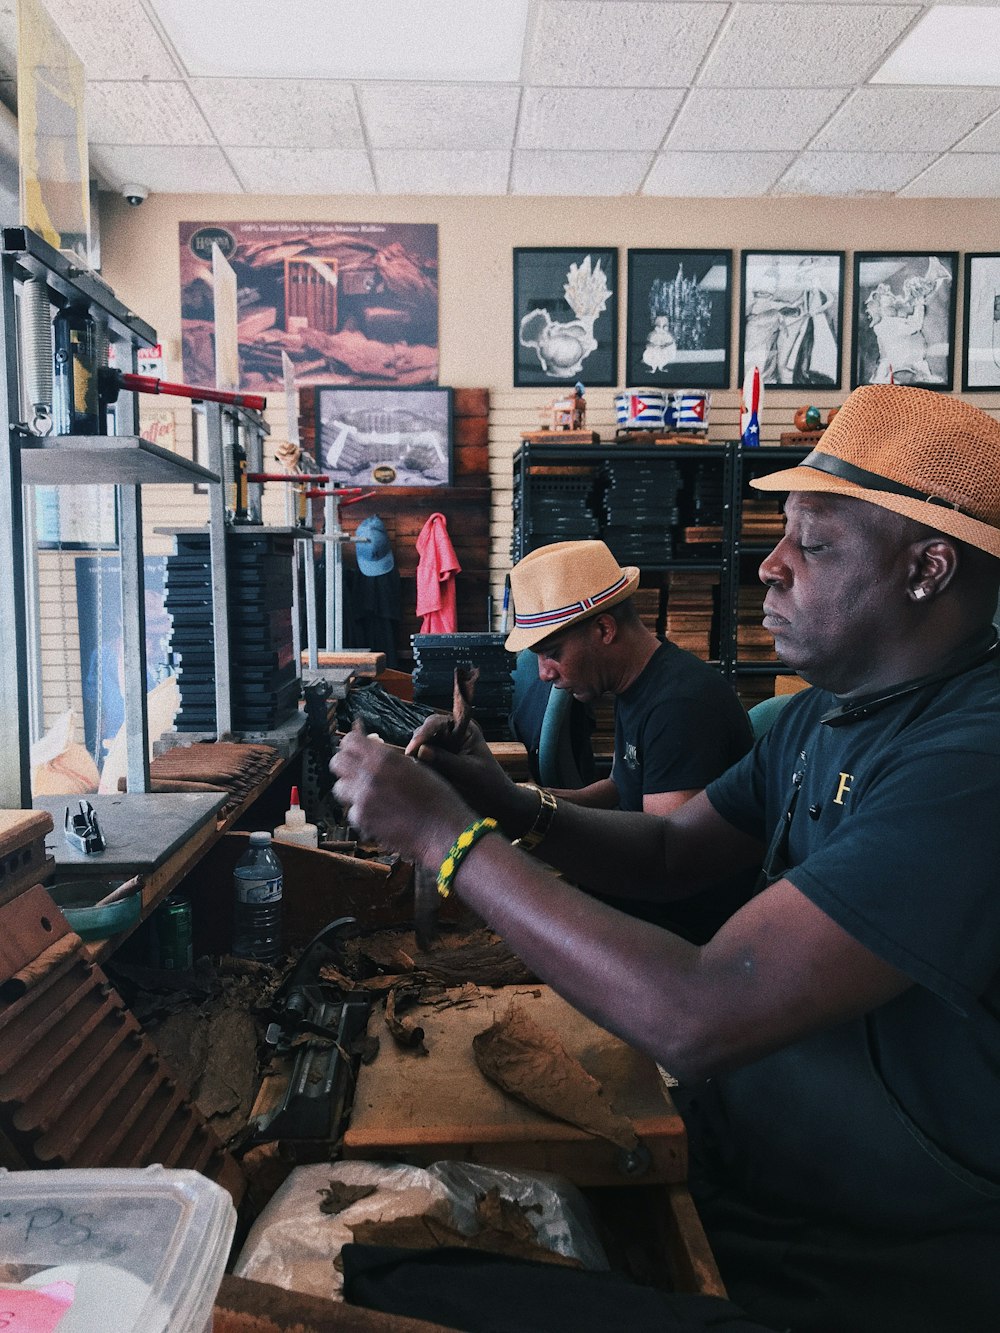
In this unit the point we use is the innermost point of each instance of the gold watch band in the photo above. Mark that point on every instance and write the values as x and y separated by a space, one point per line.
543 819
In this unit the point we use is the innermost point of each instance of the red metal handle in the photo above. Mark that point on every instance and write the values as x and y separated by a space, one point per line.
289 477
150 384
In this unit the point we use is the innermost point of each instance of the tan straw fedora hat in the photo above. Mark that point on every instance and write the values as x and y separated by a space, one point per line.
558 585
916 452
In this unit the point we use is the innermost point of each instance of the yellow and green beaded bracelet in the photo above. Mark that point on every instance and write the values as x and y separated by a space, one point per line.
460 849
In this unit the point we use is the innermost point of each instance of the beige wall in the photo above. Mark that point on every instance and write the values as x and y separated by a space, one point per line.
476 236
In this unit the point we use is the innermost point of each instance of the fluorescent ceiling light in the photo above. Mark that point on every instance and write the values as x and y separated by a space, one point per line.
952 44
425 40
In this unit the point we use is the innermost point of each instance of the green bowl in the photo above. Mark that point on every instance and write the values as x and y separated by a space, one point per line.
76 898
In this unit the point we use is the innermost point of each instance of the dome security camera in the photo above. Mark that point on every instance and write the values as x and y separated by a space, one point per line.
135 194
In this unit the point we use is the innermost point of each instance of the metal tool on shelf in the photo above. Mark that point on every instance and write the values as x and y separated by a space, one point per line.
83 831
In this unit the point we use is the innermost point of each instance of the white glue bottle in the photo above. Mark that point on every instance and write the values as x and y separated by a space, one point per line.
295 829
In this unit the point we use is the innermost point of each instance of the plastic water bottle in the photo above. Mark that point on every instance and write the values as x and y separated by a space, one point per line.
257 880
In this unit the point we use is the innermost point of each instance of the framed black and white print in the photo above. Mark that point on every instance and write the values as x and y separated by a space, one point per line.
904 318
678 318
565 316
981 353
384 437
792 314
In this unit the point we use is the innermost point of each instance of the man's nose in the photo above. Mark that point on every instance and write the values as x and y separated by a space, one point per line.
773 569
547 670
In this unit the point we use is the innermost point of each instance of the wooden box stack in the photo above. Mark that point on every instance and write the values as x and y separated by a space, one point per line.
692 599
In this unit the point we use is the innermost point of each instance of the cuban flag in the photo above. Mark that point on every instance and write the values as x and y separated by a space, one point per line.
639 409
692 410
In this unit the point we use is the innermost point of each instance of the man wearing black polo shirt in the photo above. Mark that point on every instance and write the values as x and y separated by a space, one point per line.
838 1040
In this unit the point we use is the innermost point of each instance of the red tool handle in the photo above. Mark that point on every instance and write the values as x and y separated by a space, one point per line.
150 384
287 476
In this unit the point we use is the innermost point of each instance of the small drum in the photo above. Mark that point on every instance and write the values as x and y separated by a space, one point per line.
642 409
690 408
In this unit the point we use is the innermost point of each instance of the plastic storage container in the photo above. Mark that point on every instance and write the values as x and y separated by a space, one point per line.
257 886
296 829
142 1250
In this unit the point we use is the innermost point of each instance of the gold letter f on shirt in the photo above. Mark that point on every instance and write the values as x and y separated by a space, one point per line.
843 788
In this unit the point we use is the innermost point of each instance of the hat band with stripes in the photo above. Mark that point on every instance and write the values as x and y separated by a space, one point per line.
559 616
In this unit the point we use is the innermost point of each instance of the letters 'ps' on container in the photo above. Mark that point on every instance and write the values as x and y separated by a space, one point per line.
142 1249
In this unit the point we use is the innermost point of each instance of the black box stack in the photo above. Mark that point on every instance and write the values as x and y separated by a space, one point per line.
562 509
264 683
639 507
435 657
704 514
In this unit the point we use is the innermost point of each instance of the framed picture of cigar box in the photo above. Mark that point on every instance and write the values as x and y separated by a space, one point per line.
384 437
678 318
981 323
904 318
565 316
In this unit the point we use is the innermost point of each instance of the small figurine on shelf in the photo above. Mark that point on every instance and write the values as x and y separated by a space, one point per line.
568 412
750 405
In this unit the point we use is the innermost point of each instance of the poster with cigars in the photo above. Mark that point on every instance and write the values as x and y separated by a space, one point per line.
350 302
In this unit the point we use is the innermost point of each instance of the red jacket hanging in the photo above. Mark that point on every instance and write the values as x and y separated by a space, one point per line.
436 570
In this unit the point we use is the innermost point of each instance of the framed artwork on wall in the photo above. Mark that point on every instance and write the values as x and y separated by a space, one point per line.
565 316
678 318
384 437
981 322
904 318
791 317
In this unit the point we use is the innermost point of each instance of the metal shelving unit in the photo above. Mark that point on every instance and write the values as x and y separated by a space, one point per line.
124 460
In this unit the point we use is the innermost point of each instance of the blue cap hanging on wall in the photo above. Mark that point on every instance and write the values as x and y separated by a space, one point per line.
371 542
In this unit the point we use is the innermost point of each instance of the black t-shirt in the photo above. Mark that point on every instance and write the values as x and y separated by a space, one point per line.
677 726
892 1119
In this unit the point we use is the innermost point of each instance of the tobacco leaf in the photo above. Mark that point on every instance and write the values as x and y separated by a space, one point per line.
405 1031
339 1195
530 1062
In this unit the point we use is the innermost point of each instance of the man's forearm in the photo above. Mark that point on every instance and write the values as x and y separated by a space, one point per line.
600 795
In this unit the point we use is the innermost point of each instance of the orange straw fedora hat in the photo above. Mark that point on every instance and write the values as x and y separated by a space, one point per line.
916 452
558 585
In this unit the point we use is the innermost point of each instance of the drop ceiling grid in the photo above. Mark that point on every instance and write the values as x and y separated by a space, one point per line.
695 98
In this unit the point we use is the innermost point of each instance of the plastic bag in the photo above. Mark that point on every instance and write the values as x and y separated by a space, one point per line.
293 1244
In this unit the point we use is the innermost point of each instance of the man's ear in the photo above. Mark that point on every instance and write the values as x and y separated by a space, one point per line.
933 565
607 627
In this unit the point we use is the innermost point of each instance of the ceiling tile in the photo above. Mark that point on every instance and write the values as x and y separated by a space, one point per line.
985 139
907 119
587 118
721 119
167 170
621 42
114 38
851 173
302 170
280 113
715 175
427 115
578 173
144 113
428 171
804 45
958 176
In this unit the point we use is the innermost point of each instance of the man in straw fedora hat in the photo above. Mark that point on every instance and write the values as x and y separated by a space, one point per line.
678 722
837 1041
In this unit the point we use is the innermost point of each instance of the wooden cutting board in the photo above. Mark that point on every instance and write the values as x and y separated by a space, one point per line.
423 1108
